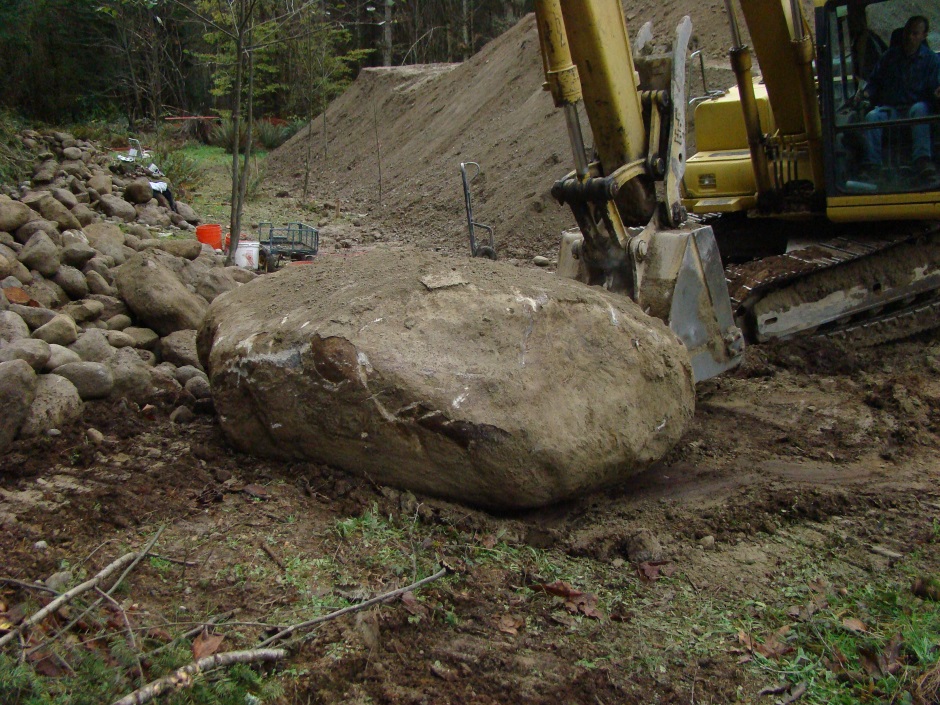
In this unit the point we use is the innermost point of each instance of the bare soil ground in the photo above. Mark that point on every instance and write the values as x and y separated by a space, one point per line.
811 470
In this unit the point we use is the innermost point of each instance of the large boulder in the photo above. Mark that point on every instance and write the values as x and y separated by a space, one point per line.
131 377
72 281
107 239
27 230
56 404
93 346
179 348
77 254
101 183
138 191
467 379
84 215
41 254
187 249
53 210
156 296
214 282
61 330
34 316
13 214
93 380
17 389
59 355
12 327
116 207
35 352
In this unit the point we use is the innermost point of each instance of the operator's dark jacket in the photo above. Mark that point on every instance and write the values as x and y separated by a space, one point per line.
900 81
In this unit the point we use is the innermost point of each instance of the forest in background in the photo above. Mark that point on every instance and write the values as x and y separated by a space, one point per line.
66 61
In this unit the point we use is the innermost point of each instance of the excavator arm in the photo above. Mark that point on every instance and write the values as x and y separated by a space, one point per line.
630 239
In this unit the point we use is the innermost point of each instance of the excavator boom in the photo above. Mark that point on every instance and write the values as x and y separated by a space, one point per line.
630 240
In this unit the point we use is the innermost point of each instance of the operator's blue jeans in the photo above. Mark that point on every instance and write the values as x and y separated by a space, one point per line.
921 133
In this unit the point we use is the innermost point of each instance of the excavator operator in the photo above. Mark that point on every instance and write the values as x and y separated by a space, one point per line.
904 84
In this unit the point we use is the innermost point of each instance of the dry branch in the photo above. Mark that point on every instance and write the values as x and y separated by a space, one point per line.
183 677
354 608
131 558
28 586
65 597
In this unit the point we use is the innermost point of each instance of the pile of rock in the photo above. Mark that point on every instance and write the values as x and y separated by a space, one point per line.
75 183
96 310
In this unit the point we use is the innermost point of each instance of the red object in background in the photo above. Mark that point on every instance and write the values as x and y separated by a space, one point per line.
210 234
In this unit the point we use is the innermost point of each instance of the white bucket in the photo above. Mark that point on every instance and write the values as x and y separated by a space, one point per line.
246 255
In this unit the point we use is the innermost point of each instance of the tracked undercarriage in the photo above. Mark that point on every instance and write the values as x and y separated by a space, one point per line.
869 284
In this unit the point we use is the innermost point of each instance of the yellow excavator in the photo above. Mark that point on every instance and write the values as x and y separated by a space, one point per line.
781 224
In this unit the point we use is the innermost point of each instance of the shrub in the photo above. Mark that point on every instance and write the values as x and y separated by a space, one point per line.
270 136
183 172
223 135
15 159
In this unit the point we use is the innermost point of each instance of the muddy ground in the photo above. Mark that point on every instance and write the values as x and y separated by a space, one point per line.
812 465
811 470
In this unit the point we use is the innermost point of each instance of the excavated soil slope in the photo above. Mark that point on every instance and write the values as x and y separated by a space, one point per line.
396 138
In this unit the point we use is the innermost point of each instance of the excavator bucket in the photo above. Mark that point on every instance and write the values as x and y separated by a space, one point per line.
679 279
684 272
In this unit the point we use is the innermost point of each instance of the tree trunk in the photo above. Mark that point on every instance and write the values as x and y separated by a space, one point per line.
465 25
387 43
235 219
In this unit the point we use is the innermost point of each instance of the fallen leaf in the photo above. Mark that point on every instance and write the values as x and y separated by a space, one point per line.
798 692
206 644
819 585
884 663
255 491
16 295
854 625
927 588
559 588
369 627
891 656
159 634
775 689
584 603
489 541
442 672
562 619
652 570
412 605
509 624
869 661
773 647
5 624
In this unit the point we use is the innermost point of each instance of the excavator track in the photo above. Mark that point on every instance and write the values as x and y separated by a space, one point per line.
870 285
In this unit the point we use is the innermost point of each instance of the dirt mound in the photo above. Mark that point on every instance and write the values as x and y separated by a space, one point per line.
391 145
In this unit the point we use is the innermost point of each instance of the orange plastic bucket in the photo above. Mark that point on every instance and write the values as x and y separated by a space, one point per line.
210 234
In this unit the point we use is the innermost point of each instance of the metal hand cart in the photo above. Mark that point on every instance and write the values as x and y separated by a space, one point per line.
294 241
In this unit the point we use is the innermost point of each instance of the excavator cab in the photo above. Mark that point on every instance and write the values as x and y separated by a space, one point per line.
877 79
825 129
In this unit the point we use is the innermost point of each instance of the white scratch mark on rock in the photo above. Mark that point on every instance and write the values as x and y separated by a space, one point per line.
456 403
377 320
284 320
306 323
661 426
614 321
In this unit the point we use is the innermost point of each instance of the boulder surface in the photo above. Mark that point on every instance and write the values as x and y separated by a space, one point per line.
467 379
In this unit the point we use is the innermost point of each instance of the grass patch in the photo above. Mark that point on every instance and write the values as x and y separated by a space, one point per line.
866 643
